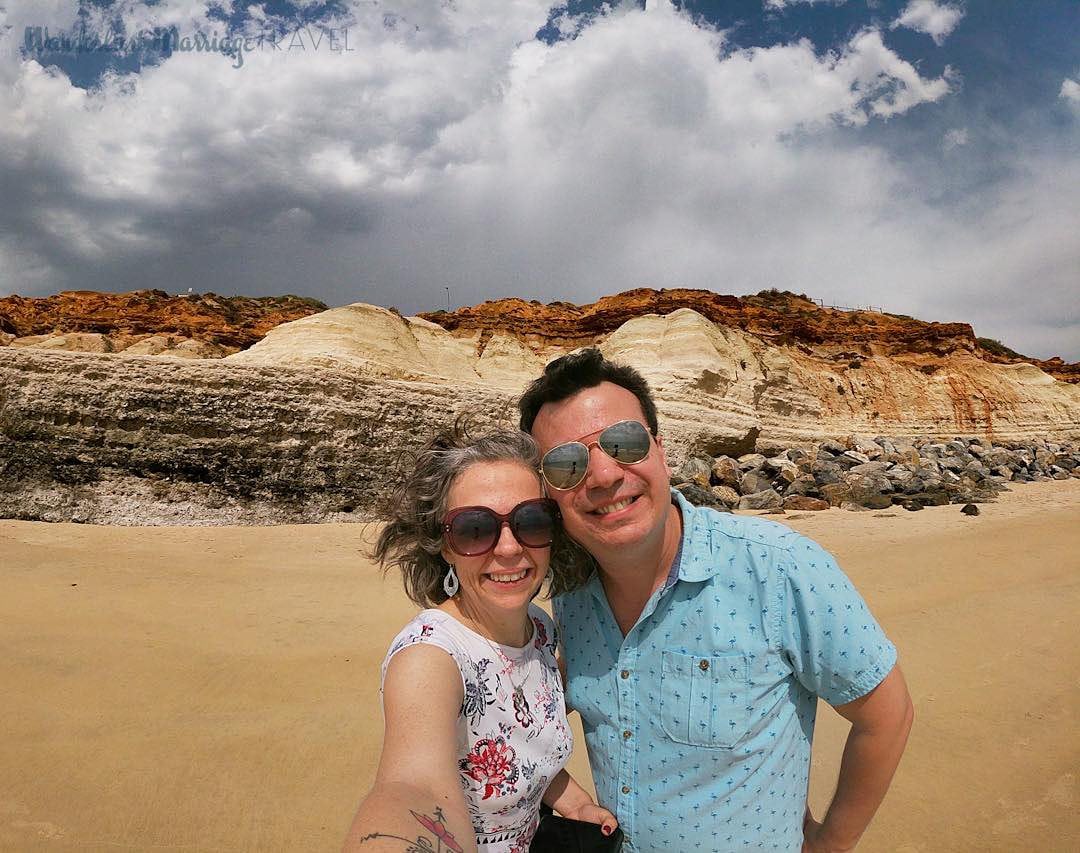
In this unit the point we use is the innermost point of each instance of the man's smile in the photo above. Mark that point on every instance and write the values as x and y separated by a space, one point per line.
615 506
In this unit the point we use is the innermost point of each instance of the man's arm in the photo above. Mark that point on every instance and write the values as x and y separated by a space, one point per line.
880 722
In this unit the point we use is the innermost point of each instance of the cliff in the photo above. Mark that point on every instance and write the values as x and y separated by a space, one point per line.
302 425
146 322
773 368
779 318
116 439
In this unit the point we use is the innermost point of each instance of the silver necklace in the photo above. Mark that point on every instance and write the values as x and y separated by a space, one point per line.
522 712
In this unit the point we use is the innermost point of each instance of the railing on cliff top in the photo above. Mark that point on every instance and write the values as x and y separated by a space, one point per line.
876 308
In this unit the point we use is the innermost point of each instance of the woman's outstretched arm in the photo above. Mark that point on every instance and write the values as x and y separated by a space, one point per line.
417 796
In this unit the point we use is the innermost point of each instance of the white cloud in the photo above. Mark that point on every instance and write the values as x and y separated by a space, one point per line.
1070 90
955 138
937 20
782 4
453 149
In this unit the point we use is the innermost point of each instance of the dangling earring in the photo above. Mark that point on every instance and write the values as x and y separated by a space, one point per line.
450 583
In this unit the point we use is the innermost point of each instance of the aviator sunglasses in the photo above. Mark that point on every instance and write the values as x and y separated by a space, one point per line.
474 530
565 466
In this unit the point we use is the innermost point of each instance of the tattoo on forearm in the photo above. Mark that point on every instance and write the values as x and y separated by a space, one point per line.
443 838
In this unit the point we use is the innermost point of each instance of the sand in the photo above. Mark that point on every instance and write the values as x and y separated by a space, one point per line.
195 689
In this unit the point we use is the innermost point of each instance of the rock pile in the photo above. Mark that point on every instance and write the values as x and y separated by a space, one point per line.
862 474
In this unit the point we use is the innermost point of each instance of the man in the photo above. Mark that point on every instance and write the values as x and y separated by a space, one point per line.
697 650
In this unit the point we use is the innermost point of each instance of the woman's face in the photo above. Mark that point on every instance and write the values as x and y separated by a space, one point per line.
509 576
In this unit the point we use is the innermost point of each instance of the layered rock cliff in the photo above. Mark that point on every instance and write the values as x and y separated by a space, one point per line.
301 425
146 322
776 317
751 371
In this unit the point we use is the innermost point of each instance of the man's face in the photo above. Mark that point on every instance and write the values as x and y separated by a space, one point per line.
615 506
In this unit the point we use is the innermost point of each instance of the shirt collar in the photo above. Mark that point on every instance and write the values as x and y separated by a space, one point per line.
693 558
696 561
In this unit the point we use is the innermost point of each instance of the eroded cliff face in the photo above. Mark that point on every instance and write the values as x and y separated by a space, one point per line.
774 317
759 375
146 322
115 439
302 425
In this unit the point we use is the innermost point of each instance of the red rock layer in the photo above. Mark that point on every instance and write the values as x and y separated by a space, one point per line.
231 321
780 318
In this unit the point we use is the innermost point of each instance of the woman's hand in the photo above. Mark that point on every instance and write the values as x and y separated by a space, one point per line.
592 813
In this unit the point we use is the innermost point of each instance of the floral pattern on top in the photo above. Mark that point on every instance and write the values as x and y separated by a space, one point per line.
513 737
492 764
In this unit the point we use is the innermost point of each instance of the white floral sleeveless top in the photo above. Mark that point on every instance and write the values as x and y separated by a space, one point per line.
513 737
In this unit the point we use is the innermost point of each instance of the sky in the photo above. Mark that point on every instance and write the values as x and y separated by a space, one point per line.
918 155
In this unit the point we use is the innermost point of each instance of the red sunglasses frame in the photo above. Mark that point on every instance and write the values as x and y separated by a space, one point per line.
501 518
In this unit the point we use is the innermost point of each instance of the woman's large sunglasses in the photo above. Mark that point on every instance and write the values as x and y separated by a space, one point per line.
474 530
565 466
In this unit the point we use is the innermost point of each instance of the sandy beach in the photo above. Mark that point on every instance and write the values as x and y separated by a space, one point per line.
215 689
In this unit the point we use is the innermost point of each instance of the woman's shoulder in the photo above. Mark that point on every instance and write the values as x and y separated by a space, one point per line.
430 627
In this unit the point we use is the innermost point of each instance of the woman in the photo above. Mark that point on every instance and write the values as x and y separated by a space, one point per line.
476 732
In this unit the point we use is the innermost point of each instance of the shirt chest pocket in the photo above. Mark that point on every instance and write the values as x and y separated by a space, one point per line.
704 698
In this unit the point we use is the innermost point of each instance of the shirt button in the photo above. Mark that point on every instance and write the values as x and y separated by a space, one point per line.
626 734
704 665
626 789
624 674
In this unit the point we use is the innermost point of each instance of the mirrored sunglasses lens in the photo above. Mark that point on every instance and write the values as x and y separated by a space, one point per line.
534 525
473 532
564 466
626 442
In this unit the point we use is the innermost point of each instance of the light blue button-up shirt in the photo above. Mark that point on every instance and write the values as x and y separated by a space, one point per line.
699 721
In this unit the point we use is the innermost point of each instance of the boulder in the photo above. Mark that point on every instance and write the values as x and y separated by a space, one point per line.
932 466
699 496
876 467
695 469
916 484
804 485
726 495
901 475
868 448
827 472
976 470
953 463
970 509
935 497
765 499
749 461
837 493
726 472
1045 457
999 456
753 482
834 448
871 490
802 502
787 475
853 457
